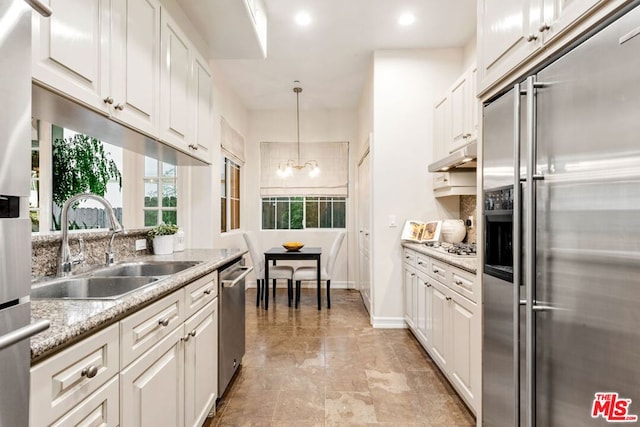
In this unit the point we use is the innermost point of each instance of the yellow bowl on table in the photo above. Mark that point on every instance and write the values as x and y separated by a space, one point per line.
292 246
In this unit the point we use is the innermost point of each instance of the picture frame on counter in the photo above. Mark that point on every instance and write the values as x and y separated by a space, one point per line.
420 231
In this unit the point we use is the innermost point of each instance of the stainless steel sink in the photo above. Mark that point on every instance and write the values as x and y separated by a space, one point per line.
149 268
90 287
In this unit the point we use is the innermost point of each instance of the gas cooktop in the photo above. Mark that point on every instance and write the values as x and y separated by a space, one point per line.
455 249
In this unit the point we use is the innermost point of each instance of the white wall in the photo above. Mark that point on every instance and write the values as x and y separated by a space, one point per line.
405 85
315 126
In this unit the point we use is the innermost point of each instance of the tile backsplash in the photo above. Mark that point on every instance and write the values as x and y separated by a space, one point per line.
45 250
468 209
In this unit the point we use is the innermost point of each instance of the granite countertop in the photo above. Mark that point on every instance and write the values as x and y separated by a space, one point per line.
72 320
466 263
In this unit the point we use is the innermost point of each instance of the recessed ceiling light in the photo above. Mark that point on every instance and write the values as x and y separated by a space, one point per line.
303 18
406 19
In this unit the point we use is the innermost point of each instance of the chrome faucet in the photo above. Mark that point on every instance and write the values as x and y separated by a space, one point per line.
67 261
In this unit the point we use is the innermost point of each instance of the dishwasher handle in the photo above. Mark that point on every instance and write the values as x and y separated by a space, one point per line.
232 283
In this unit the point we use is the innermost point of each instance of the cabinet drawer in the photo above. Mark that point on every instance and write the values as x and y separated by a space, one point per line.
200 293
102 408
439 270
464 283
143 329
62 381
409 256
423 263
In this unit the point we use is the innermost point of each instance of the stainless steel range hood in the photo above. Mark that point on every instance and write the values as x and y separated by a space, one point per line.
465 157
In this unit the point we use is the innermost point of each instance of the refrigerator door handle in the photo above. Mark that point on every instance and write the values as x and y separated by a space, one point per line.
39 7
517 232
25 332
530 245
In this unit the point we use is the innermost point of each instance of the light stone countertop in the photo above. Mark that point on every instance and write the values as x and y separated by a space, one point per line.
466 263
72 320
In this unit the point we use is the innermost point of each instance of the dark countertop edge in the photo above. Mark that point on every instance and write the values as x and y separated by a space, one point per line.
441 257
72 334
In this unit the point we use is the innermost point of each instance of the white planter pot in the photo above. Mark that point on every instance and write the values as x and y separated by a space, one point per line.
163 245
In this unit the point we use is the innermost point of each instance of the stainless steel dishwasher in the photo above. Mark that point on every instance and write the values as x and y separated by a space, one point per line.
231 334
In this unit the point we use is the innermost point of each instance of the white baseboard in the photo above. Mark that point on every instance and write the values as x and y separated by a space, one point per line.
388 322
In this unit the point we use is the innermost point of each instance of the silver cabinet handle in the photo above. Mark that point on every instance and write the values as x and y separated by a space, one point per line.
447 298
193 147
185 338
544 27
192 333
25 332
435 270
89 371
532 38
39 7
119 107
232 283
163 322
208 291
108 100
420 263
407 256
413 274
459 282
428 284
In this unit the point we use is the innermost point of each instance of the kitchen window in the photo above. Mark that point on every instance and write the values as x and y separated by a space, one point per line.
297 213
229 195
160 192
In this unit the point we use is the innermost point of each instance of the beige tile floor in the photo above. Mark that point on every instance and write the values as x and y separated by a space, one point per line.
307 367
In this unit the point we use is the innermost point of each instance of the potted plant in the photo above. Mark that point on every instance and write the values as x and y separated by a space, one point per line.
162 237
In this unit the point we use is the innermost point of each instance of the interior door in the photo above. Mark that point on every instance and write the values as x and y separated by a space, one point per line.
364 233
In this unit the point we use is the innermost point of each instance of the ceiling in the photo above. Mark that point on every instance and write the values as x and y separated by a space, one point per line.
331 56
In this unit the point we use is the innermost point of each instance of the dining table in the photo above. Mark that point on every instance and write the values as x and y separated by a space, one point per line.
279 253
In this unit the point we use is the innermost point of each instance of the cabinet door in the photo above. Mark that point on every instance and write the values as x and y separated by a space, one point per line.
409 297
441 324
459 114
504 38
441 128
463 314
175 73
202 101
201 364
474 103
558 15
71 50
421 308
135 59
152 387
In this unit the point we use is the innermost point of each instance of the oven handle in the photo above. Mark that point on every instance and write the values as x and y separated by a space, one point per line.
233 282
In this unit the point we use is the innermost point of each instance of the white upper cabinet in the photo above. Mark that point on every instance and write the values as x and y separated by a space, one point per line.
175 71
441 127
202 103
510 32
71 50
135 59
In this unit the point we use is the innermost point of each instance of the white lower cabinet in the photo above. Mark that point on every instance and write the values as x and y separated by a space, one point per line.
444 321
151 388
153 368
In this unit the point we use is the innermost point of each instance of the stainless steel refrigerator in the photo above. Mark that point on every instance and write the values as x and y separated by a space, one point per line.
15 226
561 275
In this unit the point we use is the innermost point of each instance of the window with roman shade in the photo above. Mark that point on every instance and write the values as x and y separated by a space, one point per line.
333 161
232 142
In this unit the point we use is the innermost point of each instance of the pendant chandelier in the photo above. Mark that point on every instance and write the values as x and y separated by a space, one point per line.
286 169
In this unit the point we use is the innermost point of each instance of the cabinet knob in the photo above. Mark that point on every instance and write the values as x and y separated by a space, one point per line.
435 270
447 298
420 263
544 27
208 291
459 282
119 107
89 371
428 285
185 338
163 322
108 100
192 333
532 38
193 147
